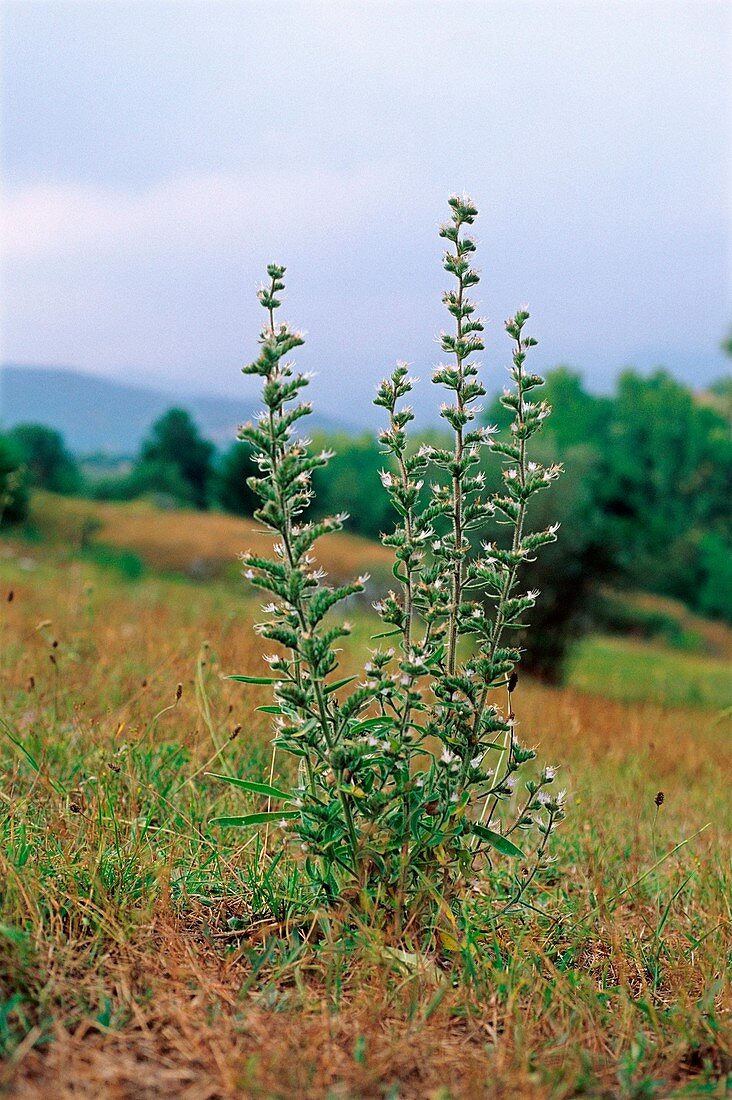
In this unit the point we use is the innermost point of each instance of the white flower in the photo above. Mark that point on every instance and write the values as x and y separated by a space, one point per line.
282 823
476 761
548 774
532 593
447 757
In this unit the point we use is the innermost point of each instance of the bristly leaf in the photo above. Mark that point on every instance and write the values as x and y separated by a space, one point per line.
254 819
257 679
247 785
501 843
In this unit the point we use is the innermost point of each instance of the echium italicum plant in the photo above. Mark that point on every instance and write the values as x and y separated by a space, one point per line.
407 794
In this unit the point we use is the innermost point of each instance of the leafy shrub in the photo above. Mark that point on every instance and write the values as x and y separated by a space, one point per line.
158 480
407 775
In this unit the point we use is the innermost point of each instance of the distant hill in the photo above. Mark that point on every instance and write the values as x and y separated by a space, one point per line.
98 415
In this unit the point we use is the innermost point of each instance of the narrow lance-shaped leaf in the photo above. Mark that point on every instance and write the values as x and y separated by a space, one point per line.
247 785
254 819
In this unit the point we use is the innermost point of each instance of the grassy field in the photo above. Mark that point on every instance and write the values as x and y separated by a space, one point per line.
139 957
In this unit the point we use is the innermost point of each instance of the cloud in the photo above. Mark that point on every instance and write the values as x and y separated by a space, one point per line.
48 221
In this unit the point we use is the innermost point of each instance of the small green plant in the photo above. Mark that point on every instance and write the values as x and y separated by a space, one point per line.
407 793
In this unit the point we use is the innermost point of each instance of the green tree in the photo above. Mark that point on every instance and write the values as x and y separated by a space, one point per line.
13 485
668 467
231 490
352 484
42 451
175 441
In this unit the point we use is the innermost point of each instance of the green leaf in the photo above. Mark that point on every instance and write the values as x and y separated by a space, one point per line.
269 710
501 843
254 819
339 684
382 721
257 679
255 788
386 634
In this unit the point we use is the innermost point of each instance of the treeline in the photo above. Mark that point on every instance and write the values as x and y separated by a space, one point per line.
644 501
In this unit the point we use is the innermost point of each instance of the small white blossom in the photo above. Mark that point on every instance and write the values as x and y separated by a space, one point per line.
447 757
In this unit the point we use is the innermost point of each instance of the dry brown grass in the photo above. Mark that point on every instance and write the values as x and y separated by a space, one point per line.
128 988
199 544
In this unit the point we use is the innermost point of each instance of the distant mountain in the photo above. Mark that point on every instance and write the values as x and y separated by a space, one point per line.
98 415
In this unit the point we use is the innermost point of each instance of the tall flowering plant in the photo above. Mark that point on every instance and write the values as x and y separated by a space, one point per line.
407 787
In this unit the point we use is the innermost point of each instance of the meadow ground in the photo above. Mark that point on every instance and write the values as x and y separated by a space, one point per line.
138 959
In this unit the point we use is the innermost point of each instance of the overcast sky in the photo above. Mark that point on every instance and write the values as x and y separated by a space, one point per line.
157 155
